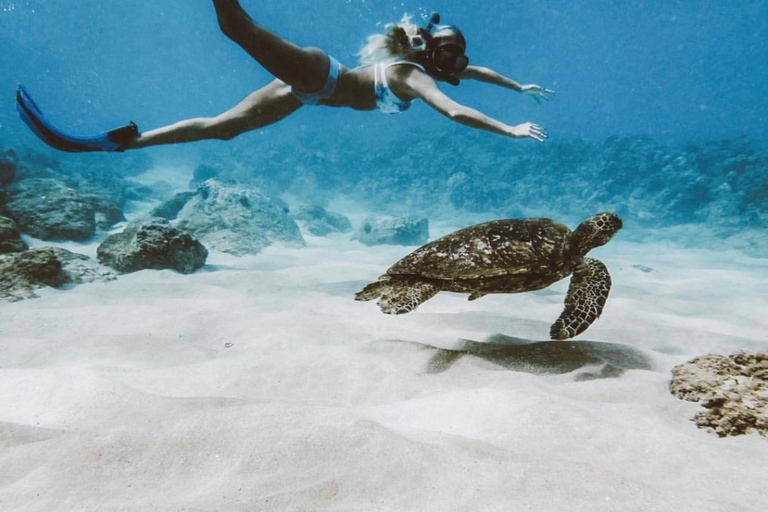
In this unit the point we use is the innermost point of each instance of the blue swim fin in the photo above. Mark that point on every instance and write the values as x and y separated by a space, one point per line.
113 140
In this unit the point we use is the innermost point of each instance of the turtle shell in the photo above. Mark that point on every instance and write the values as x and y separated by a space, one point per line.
501 247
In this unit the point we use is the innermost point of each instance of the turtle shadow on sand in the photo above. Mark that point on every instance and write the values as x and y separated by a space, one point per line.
603 360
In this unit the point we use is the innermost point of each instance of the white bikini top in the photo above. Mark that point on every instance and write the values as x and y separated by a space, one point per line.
386 100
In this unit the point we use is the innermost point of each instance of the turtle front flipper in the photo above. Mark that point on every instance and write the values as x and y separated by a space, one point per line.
398 296
587 293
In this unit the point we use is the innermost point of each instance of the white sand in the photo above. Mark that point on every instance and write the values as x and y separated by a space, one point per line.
260 384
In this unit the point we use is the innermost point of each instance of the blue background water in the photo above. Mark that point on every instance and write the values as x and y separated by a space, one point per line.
674 69
681 72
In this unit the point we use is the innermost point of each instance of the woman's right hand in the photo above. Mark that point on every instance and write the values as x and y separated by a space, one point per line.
528 130
538 92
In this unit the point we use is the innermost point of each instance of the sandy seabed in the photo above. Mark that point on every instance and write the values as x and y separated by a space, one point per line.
260 384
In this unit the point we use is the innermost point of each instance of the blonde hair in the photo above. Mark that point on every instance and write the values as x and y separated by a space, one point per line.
399 40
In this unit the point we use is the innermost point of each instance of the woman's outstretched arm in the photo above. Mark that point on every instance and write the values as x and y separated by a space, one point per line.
423 86
487 75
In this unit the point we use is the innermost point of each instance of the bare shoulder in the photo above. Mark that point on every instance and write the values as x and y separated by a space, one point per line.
410 80
405 70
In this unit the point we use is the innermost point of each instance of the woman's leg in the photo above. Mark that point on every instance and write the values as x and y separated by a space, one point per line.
306 69
268 105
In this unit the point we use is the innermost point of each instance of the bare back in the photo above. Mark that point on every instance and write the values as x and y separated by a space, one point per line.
355 88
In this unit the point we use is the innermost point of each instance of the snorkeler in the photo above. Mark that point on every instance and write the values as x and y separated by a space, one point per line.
397 67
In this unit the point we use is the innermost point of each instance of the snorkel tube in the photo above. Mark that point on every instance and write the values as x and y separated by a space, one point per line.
445 47
434 19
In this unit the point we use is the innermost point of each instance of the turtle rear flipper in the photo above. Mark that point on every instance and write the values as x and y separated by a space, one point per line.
373 290
403 296
584 303
398 296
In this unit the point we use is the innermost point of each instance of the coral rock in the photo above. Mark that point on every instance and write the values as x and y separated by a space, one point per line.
732 389
49 210
22 273
10 240
154 244
235 219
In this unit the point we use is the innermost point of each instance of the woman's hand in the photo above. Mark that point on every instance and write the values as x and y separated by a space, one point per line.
528 130
538 92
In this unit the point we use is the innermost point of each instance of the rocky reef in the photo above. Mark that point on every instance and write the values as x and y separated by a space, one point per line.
708 191
732 389
67 197
700 193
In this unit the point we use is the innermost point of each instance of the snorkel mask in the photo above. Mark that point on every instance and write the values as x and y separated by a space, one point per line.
445 50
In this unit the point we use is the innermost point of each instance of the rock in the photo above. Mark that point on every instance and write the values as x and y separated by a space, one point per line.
8 160
171 208
10 240
22 273
107 212
237 219
153 244
49 210
321 222
732 389
405 230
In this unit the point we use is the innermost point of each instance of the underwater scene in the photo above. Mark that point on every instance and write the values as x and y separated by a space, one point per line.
355 255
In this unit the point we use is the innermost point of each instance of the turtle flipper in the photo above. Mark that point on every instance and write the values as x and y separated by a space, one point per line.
398 296
584 303
373 290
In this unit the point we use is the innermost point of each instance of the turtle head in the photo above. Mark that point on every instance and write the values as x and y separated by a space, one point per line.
594 232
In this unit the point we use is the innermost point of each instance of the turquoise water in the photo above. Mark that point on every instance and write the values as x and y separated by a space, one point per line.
676 69
686 81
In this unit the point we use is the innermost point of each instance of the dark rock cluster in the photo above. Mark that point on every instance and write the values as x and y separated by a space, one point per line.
22 273
10 239
153 244
47 209
732 389
68 197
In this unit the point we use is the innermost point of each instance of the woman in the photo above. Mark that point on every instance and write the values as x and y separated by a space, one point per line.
398 67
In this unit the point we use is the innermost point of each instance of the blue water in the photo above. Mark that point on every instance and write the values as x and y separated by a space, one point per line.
668 68
683 73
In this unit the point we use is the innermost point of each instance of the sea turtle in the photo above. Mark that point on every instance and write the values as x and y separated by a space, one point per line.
506 256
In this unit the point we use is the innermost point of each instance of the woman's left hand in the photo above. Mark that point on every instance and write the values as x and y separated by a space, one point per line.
538 92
